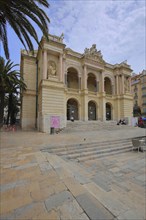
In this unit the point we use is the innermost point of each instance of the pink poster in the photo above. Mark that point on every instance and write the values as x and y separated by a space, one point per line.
55 121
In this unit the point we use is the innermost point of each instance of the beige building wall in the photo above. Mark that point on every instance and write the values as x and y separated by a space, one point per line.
62 83
28 110
138 84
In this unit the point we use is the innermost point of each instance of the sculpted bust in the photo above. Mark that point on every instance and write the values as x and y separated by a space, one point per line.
51 68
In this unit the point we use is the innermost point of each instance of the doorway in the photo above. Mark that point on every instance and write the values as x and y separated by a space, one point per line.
72 109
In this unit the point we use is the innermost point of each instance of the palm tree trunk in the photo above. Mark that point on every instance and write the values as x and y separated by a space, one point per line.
9 108
2 96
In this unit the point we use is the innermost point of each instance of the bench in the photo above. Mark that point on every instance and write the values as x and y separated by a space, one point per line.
138 144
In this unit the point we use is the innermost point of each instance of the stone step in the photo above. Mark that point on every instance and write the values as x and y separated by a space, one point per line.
88 151
105 154
91 149
84 146
97 152
91 125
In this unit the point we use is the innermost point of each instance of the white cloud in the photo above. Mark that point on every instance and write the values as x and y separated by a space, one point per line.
117 28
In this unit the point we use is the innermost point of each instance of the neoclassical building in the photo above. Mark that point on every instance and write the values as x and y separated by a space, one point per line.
62 83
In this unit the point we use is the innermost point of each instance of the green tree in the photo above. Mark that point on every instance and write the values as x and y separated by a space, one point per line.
19 14
11 83
136 111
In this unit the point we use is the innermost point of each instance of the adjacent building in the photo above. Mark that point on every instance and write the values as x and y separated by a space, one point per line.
138 84
62 83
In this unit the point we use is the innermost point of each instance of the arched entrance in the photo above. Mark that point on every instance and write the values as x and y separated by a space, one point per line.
91 110
108 112
72 109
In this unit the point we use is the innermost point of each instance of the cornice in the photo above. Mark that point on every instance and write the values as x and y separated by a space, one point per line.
29 54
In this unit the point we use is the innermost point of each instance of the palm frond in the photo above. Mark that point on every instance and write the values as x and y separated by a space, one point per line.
20 14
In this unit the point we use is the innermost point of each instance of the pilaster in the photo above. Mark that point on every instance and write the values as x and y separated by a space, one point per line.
102 82
45 64
85 77
123 90
117 84
85 107
61 65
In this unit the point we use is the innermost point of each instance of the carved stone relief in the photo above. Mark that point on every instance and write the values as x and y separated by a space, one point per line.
52 70
93 53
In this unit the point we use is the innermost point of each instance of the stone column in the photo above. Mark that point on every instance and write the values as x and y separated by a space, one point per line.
102 112
85 107
65 78
97 86
60 64
45 62
79 82
85 77
117 85
129 84
102 82
85 96
113 90
123 89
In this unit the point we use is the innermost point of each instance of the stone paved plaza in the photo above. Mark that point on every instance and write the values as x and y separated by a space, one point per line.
40 185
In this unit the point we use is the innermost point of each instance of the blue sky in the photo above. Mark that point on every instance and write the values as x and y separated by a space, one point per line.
116 27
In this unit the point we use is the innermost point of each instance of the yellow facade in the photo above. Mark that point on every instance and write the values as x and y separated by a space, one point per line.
138 85
62 83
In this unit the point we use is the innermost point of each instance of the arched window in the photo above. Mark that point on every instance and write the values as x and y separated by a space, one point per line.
91 82
72 78
107 86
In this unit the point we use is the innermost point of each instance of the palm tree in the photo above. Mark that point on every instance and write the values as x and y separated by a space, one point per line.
18 13
10 83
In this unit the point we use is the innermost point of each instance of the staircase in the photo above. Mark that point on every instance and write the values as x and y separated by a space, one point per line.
91 126
90 151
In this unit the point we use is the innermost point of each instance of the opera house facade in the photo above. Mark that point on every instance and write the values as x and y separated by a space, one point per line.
62 83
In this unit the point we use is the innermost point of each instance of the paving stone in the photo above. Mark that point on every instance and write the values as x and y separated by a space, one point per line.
46 181
132 215
122 185
12 185
54 160
114 169
141 178
63 173
75 187
72 210
103 181
41 195
109 200
25 166
22 149
93 208
45 166
80 178
15 202
31 211
8 176
58 199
